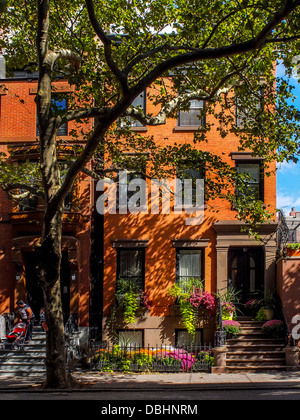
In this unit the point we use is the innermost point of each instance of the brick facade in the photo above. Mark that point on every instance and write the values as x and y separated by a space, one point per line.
158 232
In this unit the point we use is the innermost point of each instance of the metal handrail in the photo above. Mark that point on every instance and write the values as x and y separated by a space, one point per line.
220 335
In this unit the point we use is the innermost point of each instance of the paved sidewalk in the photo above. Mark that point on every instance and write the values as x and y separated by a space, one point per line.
133 382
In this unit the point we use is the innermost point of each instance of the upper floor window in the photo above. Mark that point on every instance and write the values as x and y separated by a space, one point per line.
58 105
194 117
244 111
188 171
61 105
254 185
139 103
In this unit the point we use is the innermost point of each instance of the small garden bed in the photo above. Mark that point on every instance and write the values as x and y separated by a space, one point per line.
163 359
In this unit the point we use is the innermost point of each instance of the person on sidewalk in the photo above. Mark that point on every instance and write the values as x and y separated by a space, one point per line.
28 317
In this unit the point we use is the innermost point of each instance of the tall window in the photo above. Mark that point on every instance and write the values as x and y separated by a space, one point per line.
245 111
254 187
130 266
139 103
189 265
61 105
58 105
192 173
195 116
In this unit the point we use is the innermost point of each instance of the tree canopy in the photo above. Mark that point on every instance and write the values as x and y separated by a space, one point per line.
223 52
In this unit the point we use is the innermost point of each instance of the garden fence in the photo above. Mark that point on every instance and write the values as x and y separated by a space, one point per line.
150 359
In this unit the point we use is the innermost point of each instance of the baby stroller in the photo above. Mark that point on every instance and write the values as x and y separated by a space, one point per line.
17 336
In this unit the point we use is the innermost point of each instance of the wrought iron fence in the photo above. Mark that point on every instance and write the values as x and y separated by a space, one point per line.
150 359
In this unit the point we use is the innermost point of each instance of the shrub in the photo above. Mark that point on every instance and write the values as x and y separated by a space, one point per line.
274 328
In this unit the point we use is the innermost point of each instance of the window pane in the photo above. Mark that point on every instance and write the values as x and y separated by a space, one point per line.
130 338
194 116
186 339
61 105
138 102
253 184
131 266
189 266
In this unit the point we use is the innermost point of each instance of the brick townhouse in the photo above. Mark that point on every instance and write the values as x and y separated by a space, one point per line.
157 250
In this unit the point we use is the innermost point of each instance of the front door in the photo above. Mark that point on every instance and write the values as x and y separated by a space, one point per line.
246 272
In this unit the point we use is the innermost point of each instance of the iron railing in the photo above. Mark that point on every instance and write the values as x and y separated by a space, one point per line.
220 334
72 339
150 359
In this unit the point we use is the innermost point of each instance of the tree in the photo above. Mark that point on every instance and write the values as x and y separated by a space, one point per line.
111 51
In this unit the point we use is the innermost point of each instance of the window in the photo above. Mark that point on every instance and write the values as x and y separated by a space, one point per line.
123 194
131 266
140 103
58 105
28 203
244 111
184 172
254 187
194 117
130 338
184 339
61 105
190 264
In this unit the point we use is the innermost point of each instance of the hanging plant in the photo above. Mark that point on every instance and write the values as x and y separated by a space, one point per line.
130 297
191 298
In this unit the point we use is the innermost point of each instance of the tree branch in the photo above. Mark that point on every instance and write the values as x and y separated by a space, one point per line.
71 56
121 77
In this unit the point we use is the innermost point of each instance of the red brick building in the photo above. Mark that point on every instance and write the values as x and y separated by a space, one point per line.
158 249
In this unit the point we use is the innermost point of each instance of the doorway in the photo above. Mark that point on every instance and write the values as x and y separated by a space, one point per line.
246 272
35 298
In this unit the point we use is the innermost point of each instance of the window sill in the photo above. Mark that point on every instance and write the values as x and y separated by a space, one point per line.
142 129
188 127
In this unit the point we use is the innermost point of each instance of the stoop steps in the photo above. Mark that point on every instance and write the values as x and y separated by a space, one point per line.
252 351
30 361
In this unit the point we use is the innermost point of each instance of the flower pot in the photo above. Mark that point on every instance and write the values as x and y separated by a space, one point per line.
269 313
227 316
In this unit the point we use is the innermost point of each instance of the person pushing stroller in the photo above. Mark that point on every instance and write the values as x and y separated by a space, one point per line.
27 316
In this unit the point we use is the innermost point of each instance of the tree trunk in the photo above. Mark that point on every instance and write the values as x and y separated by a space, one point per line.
49 270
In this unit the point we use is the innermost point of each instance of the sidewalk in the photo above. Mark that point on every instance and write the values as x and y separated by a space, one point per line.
98 381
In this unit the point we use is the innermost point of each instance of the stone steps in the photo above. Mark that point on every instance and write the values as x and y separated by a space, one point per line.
252 351
26 362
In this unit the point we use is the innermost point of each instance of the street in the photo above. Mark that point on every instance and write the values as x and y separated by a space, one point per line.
170 396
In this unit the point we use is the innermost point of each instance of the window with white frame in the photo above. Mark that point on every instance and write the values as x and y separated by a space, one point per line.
189 265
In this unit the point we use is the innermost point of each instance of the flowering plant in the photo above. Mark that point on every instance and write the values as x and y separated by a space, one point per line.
232 327
228 310
274 328
200 298
191 297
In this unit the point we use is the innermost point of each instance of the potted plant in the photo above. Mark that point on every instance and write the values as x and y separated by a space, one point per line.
293 249
274 328
269 305
191 299
130 297
231 327
229 299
